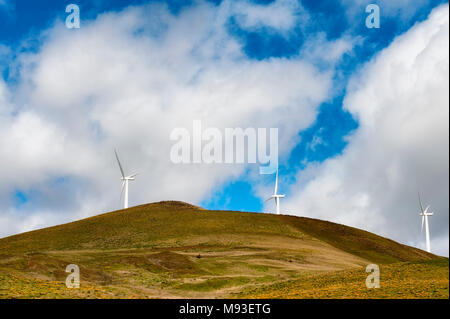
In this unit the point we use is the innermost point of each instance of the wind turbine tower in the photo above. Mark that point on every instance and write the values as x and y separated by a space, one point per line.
425 214
276 196
125 180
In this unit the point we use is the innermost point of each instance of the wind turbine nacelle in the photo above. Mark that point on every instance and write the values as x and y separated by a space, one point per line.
129 177
426 214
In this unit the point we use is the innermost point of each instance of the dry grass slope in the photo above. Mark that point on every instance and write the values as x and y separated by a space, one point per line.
409 280
172 249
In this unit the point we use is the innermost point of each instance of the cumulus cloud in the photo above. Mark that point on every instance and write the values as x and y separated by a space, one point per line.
126 80
280 14
320 50
401 101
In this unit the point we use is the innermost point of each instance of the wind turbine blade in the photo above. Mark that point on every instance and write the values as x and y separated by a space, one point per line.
420 203
120 166
133 175
426 209
268 199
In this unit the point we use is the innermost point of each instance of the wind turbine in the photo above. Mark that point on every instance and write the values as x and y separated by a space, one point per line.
125 180
276 196
425 214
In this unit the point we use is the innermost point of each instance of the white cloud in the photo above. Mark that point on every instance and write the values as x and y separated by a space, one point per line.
401 101
319 50
280 14
126 80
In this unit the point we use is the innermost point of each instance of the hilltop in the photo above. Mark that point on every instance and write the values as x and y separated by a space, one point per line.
173 249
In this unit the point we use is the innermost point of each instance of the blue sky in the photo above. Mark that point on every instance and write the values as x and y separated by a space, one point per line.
23 34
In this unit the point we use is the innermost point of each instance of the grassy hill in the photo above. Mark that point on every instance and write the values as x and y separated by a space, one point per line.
173 249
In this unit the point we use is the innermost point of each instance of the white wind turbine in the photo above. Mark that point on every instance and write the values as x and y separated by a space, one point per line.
125 180
276 196
425 214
